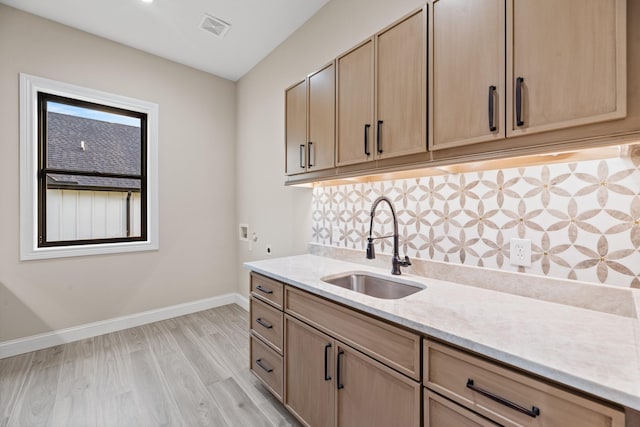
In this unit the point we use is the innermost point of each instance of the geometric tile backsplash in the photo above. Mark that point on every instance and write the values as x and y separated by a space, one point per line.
583 218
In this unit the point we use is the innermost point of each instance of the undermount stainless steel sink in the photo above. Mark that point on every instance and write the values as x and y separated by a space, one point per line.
375 286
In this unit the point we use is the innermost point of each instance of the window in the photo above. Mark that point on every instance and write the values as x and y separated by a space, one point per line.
88 171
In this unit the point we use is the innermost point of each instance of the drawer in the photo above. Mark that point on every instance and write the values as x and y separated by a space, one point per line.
266 322
393 346
455 374
441 412
267 289
267 365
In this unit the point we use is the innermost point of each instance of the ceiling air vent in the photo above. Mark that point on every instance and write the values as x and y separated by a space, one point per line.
215 25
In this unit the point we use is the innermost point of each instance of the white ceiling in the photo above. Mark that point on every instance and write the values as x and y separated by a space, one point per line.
171 28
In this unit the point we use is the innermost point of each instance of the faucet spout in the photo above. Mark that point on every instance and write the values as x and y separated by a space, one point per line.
397 262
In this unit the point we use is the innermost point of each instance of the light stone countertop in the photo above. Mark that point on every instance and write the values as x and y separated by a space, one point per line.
593 351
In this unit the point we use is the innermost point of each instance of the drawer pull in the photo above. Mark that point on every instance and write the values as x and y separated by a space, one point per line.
339 370
379 137
264 290
366 140
492 126
309 151
519 120
327 377
263 323
263 366
533 412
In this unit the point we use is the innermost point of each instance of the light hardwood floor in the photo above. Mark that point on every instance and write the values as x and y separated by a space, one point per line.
188 371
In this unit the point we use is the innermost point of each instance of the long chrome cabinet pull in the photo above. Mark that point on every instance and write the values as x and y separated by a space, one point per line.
264 290
492 91
302 165
519 120
263 366
327 377
379 137
366 140
339 370
533 412
263 323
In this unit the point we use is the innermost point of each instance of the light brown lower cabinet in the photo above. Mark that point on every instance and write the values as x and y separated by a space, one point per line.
329 383
266 323
371 394
334 366
267 365
309 385
508 397
441 412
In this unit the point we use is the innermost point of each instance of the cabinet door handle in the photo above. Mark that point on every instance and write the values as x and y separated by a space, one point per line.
302 165
264 290
533 412
339 370
260 363
263 323
379 138
492 91
519 82
327 377
366 139
309 154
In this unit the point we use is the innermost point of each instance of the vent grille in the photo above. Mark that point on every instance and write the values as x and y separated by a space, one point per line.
215 26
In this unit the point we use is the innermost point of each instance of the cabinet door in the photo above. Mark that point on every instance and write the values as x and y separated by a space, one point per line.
468 75
355 134
371 394
296 128
401 82
309 388
321 124
570 57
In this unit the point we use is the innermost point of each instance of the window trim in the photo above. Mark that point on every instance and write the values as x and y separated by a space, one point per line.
30 86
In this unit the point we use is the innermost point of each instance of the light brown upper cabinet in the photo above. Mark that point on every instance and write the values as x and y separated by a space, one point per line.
467 54
565 66
310 122
354 104
382 94
567 63
296 128
401 87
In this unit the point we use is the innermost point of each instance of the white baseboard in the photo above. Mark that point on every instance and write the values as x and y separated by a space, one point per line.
67 335
242 301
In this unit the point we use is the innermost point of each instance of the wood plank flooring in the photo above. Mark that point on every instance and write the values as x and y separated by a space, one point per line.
188 371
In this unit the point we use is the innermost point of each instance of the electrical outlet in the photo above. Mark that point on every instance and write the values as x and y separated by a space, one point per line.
520 252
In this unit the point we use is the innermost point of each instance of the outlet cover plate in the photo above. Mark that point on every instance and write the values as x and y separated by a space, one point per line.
520 252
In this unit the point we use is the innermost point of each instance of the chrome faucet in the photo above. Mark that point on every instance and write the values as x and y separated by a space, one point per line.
397 262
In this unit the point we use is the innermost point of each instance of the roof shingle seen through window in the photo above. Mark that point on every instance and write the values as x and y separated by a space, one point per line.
108 148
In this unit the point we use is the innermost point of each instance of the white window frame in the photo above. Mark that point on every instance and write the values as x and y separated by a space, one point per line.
29 88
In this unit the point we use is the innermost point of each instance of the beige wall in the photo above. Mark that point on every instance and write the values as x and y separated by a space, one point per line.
197 213
201 117
282 216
